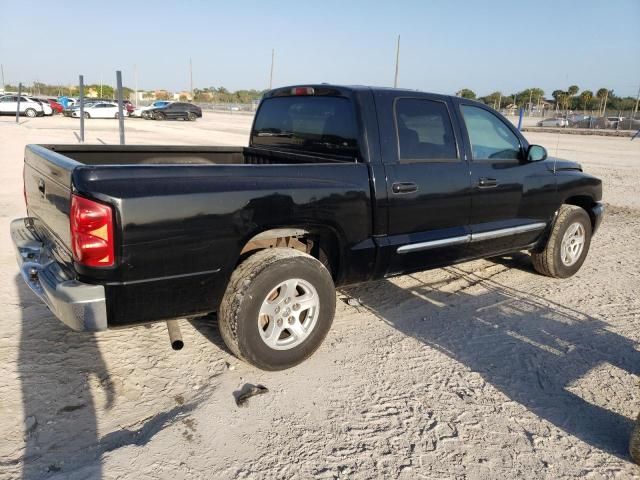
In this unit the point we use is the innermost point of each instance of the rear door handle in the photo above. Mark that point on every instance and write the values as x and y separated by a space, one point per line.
485 182
41 185
404 187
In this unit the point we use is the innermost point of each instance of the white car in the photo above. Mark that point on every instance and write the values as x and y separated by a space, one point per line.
46 106
139 112
553 122
28 107
99 110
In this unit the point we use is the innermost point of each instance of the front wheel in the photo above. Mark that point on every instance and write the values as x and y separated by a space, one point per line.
567 246
86 115
191 117
159 116
277 309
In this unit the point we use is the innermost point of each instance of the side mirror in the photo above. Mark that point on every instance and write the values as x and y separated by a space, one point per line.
536 153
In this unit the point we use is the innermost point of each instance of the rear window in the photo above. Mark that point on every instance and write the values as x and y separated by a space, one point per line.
309 123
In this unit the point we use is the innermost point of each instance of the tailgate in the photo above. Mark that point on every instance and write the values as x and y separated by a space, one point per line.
47 184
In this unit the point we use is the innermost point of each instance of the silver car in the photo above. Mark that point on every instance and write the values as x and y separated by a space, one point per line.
553 122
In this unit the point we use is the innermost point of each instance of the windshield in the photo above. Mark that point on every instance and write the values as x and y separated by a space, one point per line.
309 123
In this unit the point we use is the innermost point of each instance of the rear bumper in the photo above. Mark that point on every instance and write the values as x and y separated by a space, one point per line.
597 212
78 305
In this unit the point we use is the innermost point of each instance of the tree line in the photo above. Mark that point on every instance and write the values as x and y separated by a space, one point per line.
570 99
208 94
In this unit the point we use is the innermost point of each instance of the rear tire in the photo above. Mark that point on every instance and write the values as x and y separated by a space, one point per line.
567 246
31 113
277 309
86 115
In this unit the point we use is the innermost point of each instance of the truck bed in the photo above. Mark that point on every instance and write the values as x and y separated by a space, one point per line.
182 214
185 155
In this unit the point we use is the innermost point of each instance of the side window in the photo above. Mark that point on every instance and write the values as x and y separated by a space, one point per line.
424 131
489 136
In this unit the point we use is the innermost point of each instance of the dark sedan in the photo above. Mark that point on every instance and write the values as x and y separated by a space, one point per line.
177 110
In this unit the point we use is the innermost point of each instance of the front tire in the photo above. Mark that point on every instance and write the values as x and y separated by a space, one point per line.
191 117
86 115
277 309
159 116
567 246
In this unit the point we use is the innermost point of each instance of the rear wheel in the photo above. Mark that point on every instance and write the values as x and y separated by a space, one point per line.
117 115
86 115
277 309
30 112
567 246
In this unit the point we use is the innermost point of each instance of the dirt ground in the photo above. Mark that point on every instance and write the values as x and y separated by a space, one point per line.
482 370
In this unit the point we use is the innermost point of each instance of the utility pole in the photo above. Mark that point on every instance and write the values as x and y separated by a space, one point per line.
395 80
100 84
191 77
2 74
81 92
635 110
273 54
120 108
135 75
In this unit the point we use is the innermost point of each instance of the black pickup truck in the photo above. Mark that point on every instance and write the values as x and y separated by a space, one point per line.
338 185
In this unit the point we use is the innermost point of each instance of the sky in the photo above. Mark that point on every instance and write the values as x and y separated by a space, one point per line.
445 45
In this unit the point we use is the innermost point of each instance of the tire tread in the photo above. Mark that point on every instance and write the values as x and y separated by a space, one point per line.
241 279
544 262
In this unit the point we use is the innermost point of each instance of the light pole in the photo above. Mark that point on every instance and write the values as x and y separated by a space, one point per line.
395 80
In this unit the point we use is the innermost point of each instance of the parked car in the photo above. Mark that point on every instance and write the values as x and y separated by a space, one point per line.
175 110
98 110
47 110
553 122
338 185
69 111
28 107
57 108
143 111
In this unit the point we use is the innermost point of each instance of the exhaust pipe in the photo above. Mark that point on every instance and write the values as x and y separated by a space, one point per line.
175 337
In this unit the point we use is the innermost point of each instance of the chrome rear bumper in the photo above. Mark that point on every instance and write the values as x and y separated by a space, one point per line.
81 306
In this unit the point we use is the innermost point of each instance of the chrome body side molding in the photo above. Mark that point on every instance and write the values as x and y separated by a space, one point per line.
475 237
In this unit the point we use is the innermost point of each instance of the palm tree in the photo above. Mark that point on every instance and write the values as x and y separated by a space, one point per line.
573 89
586 97
602 94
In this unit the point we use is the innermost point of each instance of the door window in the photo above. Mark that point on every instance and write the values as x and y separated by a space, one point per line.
490 137
424 131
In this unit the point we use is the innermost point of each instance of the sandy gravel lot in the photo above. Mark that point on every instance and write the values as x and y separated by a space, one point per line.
482 370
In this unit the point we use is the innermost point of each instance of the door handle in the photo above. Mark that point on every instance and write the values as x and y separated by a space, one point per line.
41 186
404 187
485 182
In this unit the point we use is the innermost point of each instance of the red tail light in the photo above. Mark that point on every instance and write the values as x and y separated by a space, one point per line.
91 232
302 91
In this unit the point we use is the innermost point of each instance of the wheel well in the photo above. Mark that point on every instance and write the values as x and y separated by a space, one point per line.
320 243
585 202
